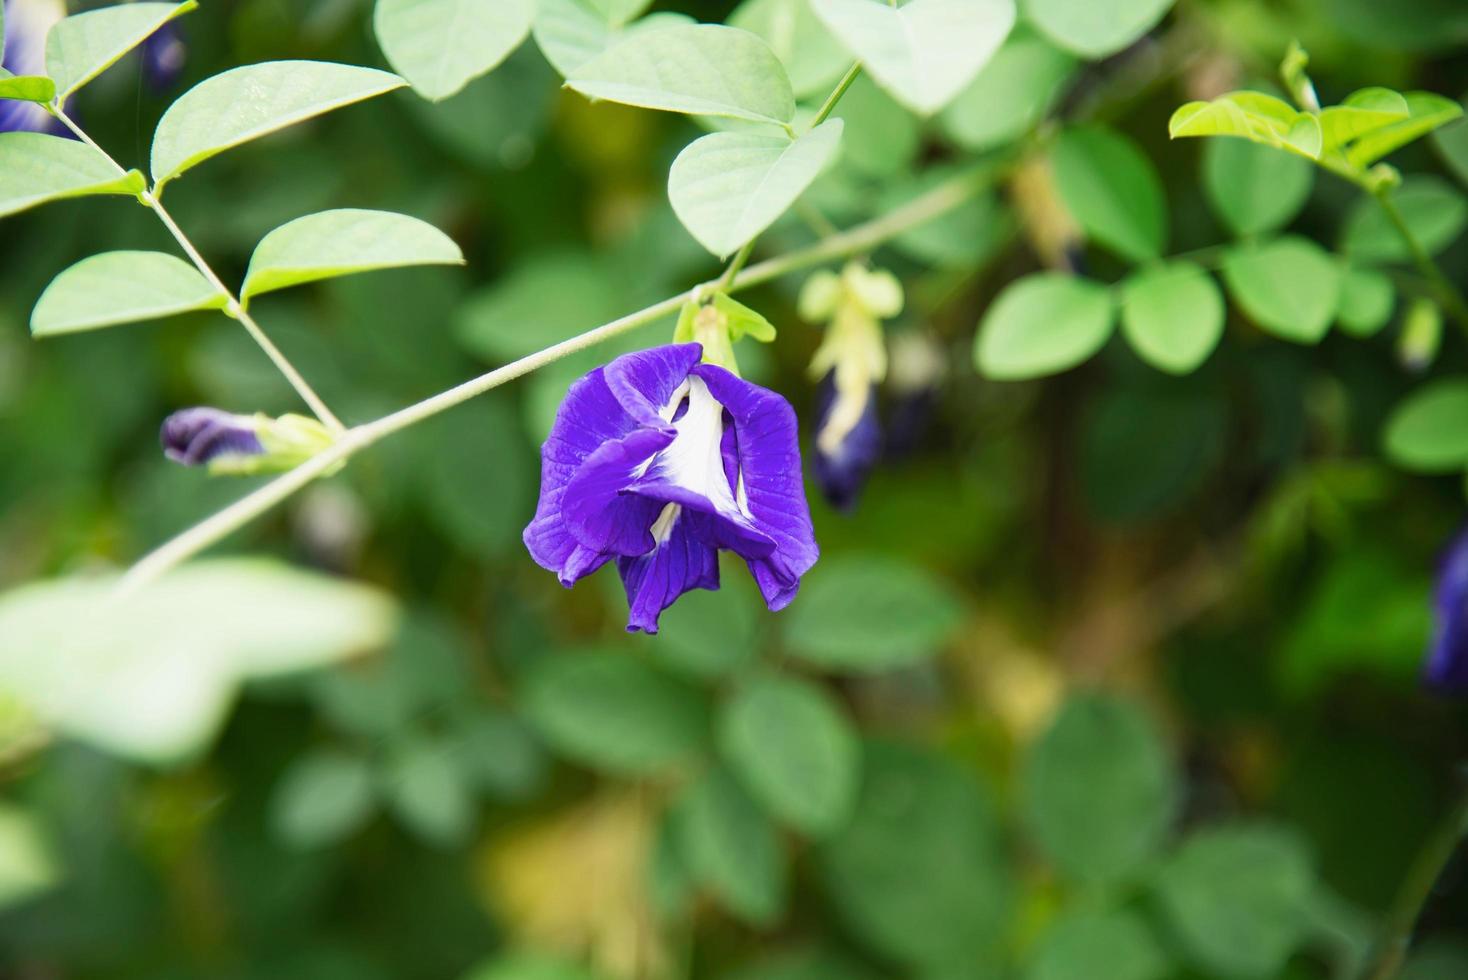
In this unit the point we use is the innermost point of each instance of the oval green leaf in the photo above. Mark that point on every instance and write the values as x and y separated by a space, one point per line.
122 287
732 848
702 69
1043 324
1094 29
727 188
1428 432
1255 188
614 713
1435 211
1100 946
571 33
812 57
1172 315
37 167
1368 300
1289 287
26 88
1113 190
1010 96
1426 112
1362 112
331 244
246 103
1099 791
924 52
794 750
440 46
871 614
1238 899
152 678
83 46
322 798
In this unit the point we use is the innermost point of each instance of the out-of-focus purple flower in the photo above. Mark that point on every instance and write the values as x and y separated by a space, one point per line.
241 444
850 363
660 462
1447 659
848 442
27 23
918 366
164 56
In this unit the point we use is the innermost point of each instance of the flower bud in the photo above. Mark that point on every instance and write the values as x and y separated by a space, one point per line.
241 445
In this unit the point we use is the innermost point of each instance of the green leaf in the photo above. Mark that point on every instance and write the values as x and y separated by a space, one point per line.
28 865
793 748
36 168
1368 300
1237 898
1112 190
440 46
1099 946
1427 113
246 103
1428 432
1253 116
701 69
1043 324
428 793
1434 210
151 678
871 614
710 634
1010 96
732 848
813 58
925 52
83 46
322 798
920 873
1099 790
614 713
1094 29
727 188
1172 315
342 243
1289 287
1361 113
571 33
1255 188
1452 143
26 88
122 287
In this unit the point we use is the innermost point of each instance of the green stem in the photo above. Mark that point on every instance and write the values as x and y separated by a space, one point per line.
1428 866
829 106
234 309
1447 294
937 202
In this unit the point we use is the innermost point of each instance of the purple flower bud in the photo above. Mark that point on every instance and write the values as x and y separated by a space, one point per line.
200 436
1447 660
848 442
164 55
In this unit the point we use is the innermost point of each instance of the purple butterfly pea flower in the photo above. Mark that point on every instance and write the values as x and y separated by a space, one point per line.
659 462
164 56
1447 661
848 443
206 436
27 23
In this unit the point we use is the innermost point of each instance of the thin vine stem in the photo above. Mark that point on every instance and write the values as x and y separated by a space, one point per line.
1448 295
1417 888
862 238
235 309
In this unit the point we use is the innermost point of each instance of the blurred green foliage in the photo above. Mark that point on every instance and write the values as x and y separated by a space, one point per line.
1111 676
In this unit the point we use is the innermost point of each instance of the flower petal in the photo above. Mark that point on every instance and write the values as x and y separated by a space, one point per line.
771 483
1447 663
683 561
599 515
